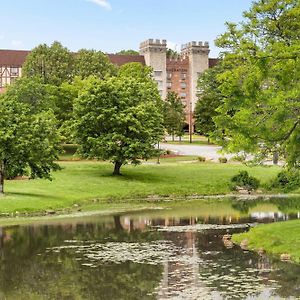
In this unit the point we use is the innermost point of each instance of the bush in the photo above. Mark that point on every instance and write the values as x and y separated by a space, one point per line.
223 160
243 180
239 158
201 158
287 180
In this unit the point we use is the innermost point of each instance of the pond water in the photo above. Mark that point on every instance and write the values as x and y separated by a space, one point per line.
172 253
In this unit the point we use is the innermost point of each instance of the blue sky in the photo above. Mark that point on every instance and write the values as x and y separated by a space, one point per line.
112 25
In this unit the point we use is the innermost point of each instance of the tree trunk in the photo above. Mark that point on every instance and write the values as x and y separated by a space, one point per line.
208 140
118 165
180 138
1 179
173 138
118 224
275 158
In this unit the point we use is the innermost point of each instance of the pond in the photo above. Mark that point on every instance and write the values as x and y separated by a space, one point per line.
172 253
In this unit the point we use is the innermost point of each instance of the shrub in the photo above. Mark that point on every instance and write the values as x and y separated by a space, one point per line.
239 158
201 158
287 180
223 160
243 180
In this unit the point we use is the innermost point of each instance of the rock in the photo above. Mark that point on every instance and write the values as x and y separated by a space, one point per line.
285 257
75 205
50 212
261 251
226 237
228 244
244 244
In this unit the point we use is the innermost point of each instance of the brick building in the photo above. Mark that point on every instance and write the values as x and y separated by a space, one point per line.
178 74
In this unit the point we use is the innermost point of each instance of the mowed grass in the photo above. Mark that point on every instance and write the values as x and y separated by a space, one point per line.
276 238
82 181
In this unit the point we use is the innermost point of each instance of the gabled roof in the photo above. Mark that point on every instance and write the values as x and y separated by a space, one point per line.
120 60
13 58
16 58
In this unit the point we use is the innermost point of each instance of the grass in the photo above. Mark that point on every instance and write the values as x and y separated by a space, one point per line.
82 181
275 238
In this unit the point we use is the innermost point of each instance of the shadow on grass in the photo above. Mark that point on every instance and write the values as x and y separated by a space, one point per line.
34 195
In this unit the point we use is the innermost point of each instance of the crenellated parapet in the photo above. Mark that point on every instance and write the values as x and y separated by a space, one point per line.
153 45
195 48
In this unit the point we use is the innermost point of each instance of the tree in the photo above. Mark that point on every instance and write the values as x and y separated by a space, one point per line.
136 70
92 62
33 92
209 99
172 53
128 52
174 115
53 64
28 142
118 119
260 113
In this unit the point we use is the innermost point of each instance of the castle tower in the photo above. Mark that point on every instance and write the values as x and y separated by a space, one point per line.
197 54
154 52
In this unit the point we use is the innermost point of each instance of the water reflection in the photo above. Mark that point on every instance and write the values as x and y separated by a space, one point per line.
127 257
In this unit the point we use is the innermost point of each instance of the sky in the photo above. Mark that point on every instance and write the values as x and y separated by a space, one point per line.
113 25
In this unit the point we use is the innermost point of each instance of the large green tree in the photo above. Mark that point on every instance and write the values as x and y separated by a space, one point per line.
209 99
53 64
28 142
128 52
92 62
118 119
174 115
260 113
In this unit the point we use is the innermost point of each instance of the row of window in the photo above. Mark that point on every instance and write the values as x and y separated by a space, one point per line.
169 75
13 71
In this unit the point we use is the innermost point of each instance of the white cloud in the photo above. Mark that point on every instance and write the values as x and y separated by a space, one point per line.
103 3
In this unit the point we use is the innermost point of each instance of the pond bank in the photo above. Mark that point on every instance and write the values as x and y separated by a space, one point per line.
281 239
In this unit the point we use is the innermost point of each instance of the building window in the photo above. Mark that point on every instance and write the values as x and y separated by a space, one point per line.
157 73
160 92
182 95
183 75
169 85
169 75
183 85
159 84
14 71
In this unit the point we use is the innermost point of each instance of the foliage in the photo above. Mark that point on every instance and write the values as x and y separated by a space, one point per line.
118 119
28 142
287 180
223 160
261 82
201 158
53 64
174 115
93 63
135 70
128 52
33 92
244 180
209 99
172 53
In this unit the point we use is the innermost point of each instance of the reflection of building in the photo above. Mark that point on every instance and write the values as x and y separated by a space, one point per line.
178 74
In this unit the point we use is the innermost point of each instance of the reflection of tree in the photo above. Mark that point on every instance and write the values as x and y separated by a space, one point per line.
287 205
28 271
244 205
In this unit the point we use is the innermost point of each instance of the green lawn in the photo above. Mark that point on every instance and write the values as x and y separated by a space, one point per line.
276 238
87 180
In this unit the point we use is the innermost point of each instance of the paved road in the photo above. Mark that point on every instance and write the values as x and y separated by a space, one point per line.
210 152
